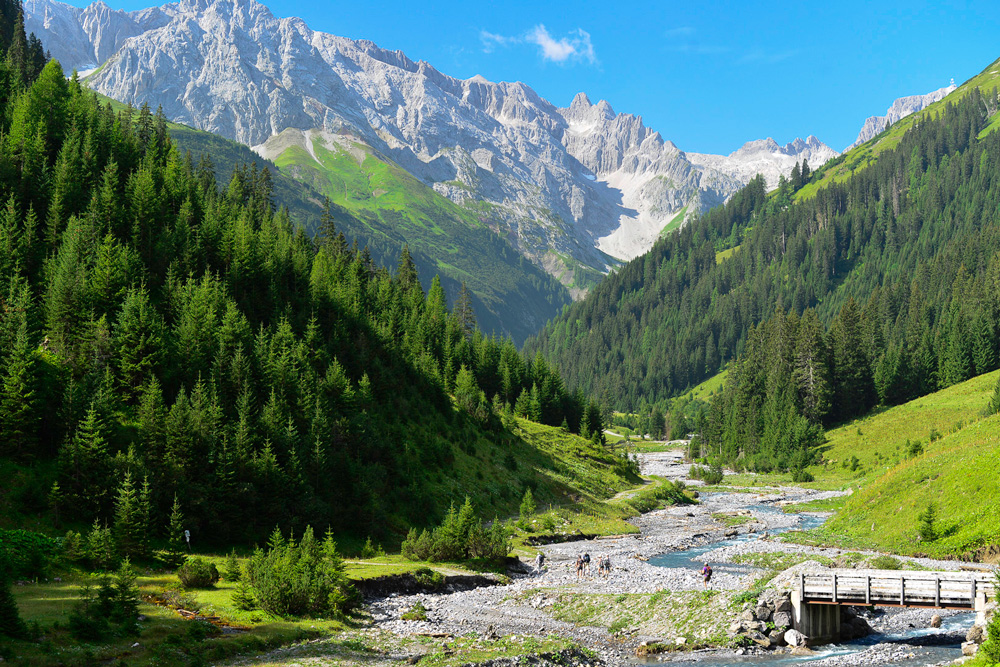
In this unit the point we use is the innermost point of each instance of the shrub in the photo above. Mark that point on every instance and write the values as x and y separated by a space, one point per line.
927 527
299 578
801 476
428 579
28 554
991 647
110 610
11 624
460 536
886 563
709 475
198 573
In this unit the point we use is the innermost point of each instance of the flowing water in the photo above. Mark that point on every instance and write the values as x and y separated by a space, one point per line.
928 646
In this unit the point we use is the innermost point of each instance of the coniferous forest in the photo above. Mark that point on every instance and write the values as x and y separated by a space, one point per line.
193 343
878 288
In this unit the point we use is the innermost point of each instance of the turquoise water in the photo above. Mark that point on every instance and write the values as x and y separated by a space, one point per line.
928 645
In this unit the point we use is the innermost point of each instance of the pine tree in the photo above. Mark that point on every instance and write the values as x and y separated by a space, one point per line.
994 406
19 416
175 527
464 312
128 525
11 624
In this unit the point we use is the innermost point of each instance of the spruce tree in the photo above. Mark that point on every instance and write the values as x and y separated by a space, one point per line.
175 527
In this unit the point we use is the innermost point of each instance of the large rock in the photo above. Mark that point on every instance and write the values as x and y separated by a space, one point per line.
970 648
781 619
795 638
975 634
936 621
763 613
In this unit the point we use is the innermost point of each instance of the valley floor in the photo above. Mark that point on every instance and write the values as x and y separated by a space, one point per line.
647 598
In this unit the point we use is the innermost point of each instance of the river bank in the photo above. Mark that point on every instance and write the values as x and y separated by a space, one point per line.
655 591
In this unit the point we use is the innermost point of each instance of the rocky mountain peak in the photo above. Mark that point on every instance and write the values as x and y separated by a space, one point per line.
576 182
900 108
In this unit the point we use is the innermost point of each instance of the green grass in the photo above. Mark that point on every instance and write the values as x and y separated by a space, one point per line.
732 518
878 441
723 255
675 222
708 388
960 474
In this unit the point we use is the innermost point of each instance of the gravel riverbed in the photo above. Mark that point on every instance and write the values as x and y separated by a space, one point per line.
524 607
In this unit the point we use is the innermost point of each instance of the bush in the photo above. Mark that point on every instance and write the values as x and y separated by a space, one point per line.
198 573
299 578
709 475
991 647
801 476
11 624
459 537
28 554
664 493
927 522
885 563
418 612
110 610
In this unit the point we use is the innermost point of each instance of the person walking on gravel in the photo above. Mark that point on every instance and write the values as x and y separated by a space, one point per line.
539 561
586 564
706 573
579 566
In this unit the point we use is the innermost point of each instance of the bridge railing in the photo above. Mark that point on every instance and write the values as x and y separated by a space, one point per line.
909 589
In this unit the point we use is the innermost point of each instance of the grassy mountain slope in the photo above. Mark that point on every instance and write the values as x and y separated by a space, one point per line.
383 202
959 473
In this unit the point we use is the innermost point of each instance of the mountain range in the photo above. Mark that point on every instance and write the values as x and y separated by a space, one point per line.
570 188
576 190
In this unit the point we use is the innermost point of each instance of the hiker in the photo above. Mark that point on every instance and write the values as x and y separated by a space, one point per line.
579 566
706 573
607 566
586 564
539 561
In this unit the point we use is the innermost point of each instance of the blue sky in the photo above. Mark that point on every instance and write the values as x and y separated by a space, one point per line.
708 76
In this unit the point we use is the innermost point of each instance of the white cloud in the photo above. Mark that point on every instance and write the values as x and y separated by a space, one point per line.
492 40
574 47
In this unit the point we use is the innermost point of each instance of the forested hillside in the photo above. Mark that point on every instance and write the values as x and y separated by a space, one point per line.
389 209
898 262
173 342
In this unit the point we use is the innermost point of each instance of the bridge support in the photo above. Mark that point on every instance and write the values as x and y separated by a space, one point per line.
980 608
820 623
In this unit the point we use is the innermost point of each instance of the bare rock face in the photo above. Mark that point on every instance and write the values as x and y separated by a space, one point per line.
583 182
901 108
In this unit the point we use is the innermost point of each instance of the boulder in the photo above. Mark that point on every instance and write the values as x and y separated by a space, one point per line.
781 619
735 628
784 605
801 650
970 648
763 613
795 638
975 634
936 621
748 615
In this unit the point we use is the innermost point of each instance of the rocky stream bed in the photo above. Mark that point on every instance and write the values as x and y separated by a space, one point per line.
655 593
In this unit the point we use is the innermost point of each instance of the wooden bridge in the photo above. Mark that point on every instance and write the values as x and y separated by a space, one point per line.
819 594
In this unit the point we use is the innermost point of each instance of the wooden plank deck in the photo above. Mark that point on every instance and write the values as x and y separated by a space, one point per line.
942 590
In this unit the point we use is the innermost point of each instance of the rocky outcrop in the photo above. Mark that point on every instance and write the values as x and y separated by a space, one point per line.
901 108
767 158
768 622
576 185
